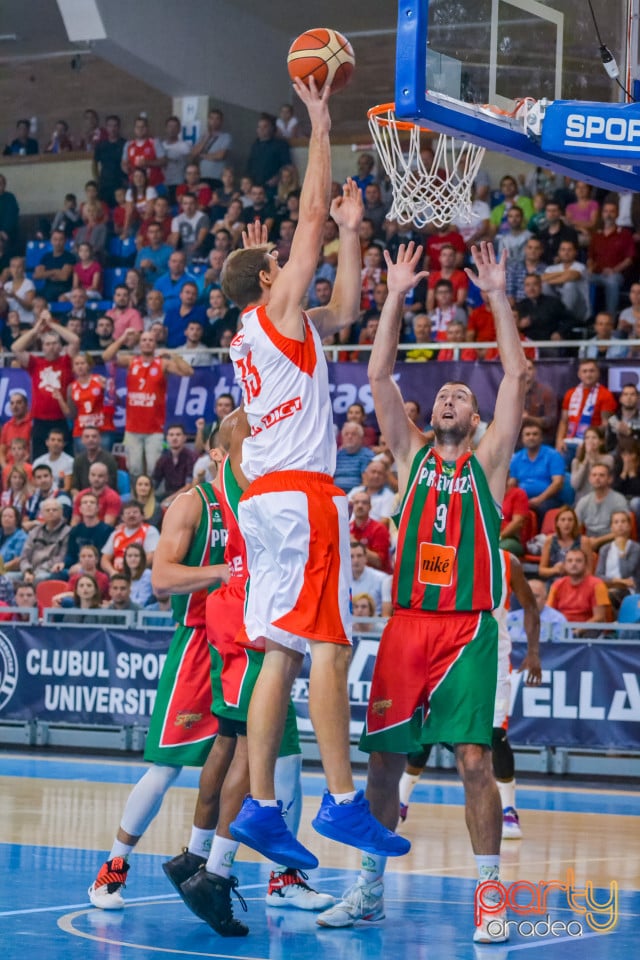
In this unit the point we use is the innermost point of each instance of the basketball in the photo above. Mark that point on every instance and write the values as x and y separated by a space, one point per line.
323 54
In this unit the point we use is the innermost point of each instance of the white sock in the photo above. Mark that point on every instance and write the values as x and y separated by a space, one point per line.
344 797
372 867
223 853
200 841
507 791
120 850
146 798
266 803
488 867
407 783
288 784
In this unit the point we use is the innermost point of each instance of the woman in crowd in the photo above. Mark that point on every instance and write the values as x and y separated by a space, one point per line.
135 567
139 200
134 282
18 490
567 537
89 563
288 181
143 493
232 222
84 596
12 538
87 273
583 214
229 190
363 606
86 403
12 328
619 561
220 317
591 451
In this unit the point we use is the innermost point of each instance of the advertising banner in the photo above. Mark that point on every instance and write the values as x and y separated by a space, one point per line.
589 696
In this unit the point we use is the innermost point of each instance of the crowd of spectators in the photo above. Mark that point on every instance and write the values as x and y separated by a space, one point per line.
129 276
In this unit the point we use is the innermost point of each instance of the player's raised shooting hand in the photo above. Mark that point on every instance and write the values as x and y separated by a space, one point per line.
491 275
316 101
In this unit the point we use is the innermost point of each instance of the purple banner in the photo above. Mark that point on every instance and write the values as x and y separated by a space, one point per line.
194 397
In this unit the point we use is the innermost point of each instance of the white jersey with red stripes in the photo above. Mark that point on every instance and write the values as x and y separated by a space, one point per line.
285 386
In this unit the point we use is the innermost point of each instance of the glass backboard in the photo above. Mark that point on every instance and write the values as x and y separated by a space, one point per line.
454 57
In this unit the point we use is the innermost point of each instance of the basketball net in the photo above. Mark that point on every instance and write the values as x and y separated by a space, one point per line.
424 192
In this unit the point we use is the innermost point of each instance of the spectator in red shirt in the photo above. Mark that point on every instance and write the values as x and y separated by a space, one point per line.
161 216
144 152
513 527
50 376
109 502
89 558
146 398
448 271
194 184
20 424
587 405
373 535
581 597
611 253
445 236
481 327
456 333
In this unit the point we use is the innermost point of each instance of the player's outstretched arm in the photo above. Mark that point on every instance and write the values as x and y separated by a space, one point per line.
344 306
520 586
293 281
497 445
169 574
401 434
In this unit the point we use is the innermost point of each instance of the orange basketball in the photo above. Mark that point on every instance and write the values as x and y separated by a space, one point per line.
323 54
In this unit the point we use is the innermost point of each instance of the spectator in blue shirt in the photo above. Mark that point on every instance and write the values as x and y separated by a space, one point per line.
538 469
171 283
178 316
352 458
153 260
12 538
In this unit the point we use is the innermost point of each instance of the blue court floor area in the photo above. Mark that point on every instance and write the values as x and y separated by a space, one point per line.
45 913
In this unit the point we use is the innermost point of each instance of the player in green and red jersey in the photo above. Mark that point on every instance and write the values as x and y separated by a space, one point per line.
235 668
188 563
435 674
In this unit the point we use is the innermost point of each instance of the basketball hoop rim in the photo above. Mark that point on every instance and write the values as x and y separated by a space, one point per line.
377 113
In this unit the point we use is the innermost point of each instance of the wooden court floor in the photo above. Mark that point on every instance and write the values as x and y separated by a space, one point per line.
59 815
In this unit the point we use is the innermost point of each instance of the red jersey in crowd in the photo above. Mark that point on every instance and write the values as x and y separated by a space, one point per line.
146 397
89 401
47 376
138 152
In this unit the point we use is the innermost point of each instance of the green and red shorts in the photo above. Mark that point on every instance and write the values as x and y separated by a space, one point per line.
182 729
434 681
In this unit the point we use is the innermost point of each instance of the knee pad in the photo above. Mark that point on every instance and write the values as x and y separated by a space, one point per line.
502 755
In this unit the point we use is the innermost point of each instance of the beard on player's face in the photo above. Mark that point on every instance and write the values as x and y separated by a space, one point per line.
452 434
